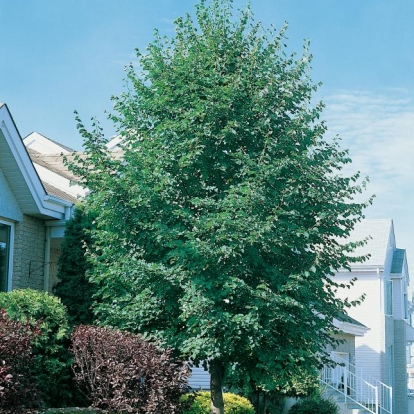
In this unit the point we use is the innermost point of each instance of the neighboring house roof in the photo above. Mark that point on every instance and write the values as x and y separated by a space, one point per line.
378 232
113 144
52 169
350 325
53 162
51 190
55 175
21 175
45 145
346 318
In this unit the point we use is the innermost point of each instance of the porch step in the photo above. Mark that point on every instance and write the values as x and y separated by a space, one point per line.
356 409
348 407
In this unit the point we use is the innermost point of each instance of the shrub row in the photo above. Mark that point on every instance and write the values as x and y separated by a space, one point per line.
42 364
115 370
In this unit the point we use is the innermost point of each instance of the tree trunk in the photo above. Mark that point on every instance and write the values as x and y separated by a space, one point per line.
216 386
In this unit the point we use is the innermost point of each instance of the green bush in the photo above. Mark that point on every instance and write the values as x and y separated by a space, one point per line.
52 365
233 404
314 405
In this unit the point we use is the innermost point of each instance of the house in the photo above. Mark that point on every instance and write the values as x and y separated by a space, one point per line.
372 372
381 354
33 213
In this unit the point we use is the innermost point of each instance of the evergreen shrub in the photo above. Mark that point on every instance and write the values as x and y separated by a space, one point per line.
233 404
74 288
51 369
121 372
314 405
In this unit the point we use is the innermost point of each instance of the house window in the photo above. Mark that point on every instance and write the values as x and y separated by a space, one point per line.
6 234
388 297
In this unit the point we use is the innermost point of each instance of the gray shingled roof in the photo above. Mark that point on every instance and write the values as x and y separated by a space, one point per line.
53 191
379 231
398 261
53 162
346 318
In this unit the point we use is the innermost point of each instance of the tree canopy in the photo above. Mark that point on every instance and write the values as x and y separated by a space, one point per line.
219 225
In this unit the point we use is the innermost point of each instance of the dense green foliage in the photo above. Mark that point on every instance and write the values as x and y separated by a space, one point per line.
219 228
73 288
314 405
123 373
233 404
51 368
303 382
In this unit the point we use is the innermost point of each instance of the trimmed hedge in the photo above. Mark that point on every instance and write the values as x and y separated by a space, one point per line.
16 385
233 404
121 372
51 369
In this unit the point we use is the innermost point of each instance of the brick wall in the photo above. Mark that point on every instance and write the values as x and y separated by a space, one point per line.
29 253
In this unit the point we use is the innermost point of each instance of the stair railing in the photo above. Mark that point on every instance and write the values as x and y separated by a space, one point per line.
346 379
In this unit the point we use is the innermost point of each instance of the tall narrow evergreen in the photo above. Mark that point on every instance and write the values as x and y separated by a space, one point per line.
74 288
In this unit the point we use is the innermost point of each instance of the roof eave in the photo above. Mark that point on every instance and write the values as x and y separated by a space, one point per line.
41 204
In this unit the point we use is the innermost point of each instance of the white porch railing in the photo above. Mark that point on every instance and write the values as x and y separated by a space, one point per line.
346 379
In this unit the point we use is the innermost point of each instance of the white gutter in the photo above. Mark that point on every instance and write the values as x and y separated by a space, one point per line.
66 206
350 328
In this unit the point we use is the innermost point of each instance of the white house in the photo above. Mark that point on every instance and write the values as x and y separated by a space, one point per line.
382 353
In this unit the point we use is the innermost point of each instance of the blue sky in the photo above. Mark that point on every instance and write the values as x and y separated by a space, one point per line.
58 56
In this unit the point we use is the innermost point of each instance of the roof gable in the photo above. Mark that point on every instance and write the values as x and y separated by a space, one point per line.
21 175
380 243
44 145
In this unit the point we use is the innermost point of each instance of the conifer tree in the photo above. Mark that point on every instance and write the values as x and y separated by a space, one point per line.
74 288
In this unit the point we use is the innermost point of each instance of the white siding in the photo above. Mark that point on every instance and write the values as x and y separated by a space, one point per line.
370 346
9 209
200 379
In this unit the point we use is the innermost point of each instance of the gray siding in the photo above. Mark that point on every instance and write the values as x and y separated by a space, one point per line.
400 373
200 379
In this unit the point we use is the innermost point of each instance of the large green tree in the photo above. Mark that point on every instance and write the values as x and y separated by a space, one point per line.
220 225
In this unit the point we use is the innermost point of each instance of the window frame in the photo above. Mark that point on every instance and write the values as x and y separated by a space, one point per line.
10 251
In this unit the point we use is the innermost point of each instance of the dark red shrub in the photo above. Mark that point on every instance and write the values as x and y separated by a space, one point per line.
122 372
16 387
